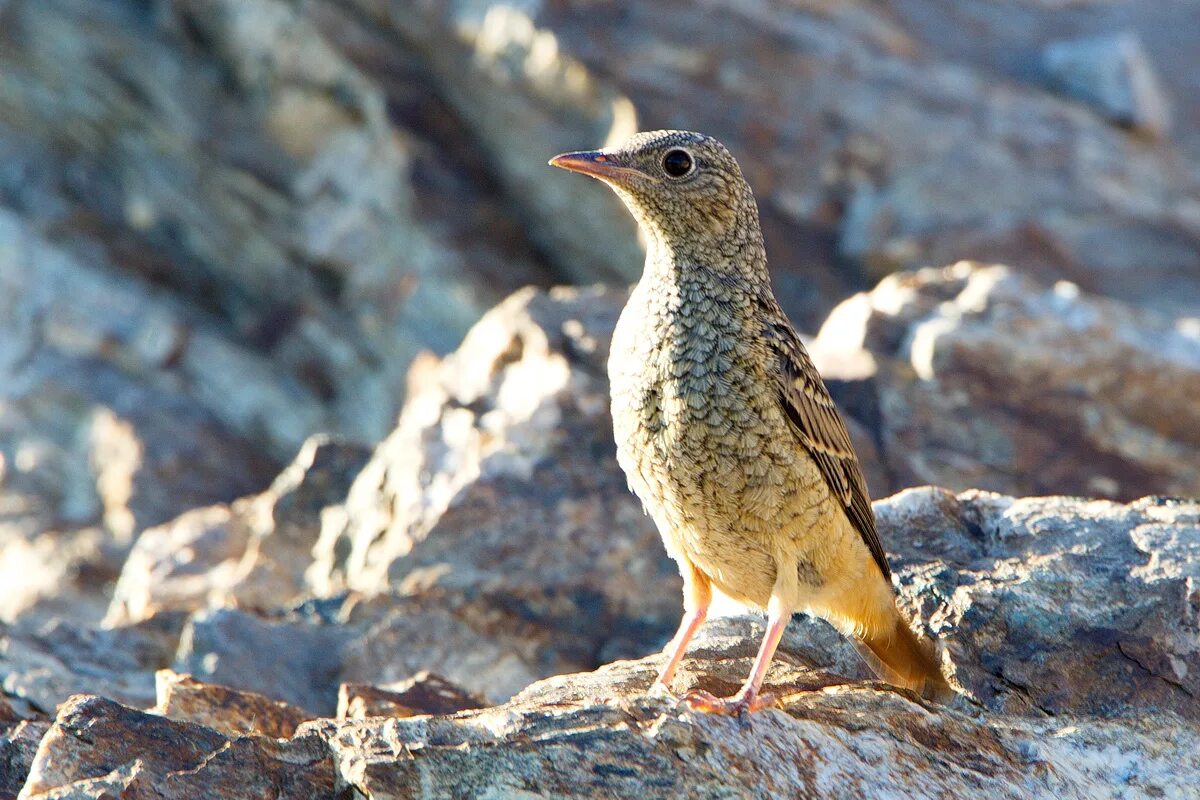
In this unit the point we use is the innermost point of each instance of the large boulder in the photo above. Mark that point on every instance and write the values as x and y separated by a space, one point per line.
98 748
977 376
500 486
1069 625
1056 606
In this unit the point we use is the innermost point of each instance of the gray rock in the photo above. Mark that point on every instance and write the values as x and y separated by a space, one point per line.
275 207
596 734
18 745
1067 623
294 661
97 437
976 376
500 483
43 667
1039 603
1114 75
98 748
1056 606
253 552
229 711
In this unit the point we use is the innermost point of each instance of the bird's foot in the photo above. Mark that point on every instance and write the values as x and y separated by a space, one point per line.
740 705
660 691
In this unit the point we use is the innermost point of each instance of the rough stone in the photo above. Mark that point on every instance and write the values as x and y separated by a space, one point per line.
252 553
500 483
277 199
1114 75
98 748
424 693
229 711
596 734
44 666
1056 606
18 744
976 376
1070 626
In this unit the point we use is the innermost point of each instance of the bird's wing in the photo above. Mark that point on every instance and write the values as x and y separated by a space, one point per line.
820 429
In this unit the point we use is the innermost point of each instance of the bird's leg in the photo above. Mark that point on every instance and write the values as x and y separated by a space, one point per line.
748 700
697 595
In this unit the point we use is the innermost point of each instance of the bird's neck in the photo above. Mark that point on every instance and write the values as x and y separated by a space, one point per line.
735 253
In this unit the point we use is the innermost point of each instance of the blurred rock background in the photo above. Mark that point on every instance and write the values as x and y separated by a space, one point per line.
237 237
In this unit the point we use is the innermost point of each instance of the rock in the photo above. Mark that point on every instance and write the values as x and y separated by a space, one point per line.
97 441
225 276
253 552
99 748
229 711
597 734
18 745
1056 606
522 99
882 138
424 693
1114 75
1067 623
500 485
184 563
55 574
296 662
471 642
976 376
45 666
1037 602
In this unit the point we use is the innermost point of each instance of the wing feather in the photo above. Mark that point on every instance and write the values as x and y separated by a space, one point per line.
820 429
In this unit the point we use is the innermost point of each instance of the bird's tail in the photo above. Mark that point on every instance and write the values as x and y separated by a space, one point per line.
899 657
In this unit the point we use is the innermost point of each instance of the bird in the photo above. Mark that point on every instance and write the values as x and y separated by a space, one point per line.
726 431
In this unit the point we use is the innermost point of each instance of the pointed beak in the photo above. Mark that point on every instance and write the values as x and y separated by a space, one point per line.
596 163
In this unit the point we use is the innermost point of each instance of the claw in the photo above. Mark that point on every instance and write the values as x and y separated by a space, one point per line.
660 691
741 704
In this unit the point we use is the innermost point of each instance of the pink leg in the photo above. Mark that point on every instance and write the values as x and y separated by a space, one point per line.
697 594
747 700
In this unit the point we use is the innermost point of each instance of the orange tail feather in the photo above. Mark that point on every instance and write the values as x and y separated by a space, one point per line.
902 659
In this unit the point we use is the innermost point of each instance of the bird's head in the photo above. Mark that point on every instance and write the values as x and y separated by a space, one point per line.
684 188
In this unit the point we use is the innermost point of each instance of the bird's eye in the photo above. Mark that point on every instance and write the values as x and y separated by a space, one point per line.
677 163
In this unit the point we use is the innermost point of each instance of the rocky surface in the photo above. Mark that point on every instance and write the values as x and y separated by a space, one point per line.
255 543
423 693
1114 75
232 712
490 540
1070 625
977 376
500 483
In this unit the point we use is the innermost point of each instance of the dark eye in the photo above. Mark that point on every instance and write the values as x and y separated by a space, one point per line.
677 163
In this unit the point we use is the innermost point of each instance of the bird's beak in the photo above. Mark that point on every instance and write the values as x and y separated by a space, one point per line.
596 163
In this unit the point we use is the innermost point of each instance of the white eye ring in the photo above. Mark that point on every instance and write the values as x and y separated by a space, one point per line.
678 163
